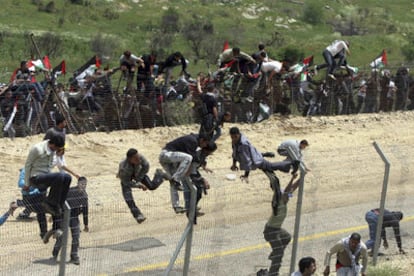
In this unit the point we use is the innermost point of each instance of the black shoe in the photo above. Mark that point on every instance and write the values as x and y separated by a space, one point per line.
295 166
268 154
140 218
54 211
74 260
179 210
177 185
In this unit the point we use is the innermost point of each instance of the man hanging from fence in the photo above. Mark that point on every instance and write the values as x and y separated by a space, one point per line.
197 179
128 63
133 172
209 113
274 234
166 67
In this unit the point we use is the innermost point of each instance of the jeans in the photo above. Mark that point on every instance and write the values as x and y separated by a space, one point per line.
75 231
278 238
283 166
168 159
129 199
372 220
59 186
217 133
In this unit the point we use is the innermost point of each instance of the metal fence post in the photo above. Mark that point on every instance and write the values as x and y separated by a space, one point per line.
293 156
187 235
382 203
65 225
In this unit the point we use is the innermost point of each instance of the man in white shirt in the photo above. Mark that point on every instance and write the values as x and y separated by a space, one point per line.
296 146
336 50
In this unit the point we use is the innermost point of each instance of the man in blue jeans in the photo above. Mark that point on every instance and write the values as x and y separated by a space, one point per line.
391 219
37 174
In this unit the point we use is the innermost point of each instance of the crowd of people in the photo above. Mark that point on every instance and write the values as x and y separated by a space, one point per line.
184 159
249 86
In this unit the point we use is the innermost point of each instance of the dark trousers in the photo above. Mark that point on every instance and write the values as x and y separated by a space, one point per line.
75 231
330 61
278 238
32 204
283 166
129 199
59 186
152 184
145 81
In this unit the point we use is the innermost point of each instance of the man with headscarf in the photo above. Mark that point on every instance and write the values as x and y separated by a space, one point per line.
348 252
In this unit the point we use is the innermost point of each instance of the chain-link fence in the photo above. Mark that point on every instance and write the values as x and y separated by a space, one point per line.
344 183
110 101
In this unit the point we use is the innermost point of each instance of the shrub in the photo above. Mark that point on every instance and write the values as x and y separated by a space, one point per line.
313 13
103 45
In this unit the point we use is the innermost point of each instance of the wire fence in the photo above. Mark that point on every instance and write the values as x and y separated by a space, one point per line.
110 101
345 183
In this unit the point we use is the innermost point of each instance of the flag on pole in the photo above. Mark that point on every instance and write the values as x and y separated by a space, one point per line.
60 69
380 61
46 63
32 65
226 45
308 61
88 68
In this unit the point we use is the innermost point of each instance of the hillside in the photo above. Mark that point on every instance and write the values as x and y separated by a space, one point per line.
74 32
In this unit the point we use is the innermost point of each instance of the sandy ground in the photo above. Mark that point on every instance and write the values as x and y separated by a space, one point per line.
346 172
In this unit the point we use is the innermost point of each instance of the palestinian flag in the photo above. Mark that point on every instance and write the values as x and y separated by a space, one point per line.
380 61
60 69
88 68
46 63
226 45
34 65
308 61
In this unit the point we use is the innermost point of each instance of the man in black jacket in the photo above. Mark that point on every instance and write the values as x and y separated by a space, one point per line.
391 219
176 158
168 65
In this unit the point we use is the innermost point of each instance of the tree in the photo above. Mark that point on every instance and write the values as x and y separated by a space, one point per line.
313 13
170 21
198 33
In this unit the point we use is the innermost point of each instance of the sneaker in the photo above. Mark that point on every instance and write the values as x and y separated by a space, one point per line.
268 154
139 186
58 233
332 76
140 218
179 210
50 209
74 260
23 216
46 237
12 207
177 185
200 214
250 99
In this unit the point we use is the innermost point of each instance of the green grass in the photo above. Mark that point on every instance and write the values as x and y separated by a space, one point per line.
386 27
384 270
